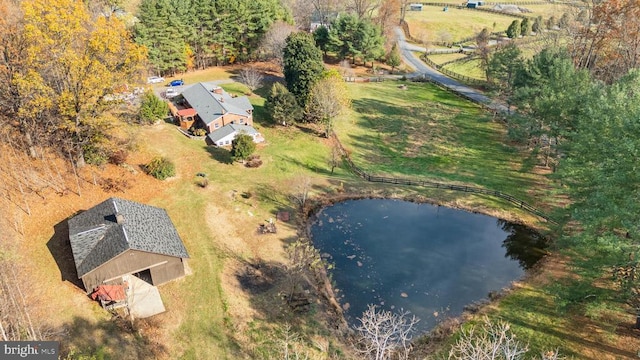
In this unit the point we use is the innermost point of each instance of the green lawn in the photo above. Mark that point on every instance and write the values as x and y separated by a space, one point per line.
429 133
443 58
470 68
454 24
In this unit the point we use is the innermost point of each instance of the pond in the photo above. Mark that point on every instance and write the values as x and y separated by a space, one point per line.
427 259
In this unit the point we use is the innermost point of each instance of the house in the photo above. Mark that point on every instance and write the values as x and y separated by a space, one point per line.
225 135
118 237
215 108
415 7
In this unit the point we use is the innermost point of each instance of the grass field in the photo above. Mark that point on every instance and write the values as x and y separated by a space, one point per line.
429 133
453 25
443 58
470 68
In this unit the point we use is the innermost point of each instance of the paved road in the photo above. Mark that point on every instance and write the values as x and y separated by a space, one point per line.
406 50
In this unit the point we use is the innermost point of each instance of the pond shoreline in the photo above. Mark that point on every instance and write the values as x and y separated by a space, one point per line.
435 337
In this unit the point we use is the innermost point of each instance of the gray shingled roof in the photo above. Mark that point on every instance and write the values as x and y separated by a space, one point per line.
211 106
230 129
96 236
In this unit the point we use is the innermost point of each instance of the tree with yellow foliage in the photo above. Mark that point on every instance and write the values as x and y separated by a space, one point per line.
328 99
73 61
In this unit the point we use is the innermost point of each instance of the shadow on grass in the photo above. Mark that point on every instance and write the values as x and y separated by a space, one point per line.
221 155
111 339
60 249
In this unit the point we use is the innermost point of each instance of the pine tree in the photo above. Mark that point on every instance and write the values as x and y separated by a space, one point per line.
241 147
302 65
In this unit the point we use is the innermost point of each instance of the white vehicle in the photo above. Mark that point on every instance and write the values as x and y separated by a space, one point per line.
154 79
170 93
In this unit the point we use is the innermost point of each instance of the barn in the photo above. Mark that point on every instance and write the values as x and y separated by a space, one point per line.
119 237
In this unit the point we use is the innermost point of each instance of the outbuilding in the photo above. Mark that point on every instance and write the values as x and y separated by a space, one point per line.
119 237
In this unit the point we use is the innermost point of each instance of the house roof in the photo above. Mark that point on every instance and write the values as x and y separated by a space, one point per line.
187 112
211 105
231 129
116 225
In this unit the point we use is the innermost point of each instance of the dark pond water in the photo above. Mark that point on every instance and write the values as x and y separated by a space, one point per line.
423 258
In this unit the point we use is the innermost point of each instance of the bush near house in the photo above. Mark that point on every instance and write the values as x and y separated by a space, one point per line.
161 168
152 108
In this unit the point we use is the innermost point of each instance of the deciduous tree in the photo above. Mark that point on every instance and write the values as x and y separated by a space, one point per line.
608 44
328 98
74 62
384 335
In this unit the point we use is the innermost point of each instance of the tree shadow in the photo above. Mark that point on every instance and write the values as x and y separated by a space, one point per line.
60 248
221 155
111 339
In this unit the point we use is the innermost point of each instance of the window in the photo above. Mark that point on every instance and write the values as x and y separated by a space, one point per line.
217 125
241 121
226 142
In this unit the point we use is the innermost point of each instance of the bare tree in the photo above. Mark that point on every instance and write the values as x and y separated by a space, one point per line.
386 335
335 157
493 341
274 41
251 77
301 188
363 8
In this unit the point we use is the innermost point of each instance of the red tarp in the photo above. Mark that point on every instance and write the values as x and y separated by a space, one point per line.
109 293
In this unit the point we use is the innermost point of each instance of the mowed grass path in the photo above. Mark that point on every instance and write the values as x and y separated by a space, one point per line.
428 133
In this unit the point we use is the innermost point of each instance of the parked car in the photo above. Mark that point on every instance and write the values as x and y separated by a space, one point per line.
171 93
176 83
155 79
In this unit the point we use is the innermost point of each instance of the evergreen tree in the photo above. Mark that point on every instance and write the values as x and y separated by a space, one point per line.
282 106
343 37
513 31
369 41
302 65
321 36
393 58
537 25
525 27
241 147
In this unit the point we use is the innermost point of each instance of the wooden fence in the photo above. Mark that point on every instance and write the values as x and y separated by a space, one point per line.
437 185
449 73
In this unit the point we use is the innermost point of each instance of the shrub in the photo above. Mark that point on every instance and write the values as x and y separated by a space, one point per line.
152 108
95 154
199 132
241 147
118 157
161 168
253 161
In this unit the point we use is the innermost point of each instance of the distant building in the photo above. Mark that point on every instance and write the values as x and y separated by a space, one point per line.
415 7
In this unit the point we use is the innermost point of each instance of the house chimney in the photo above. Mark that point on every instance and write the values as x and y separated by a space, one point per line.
119 219
217 90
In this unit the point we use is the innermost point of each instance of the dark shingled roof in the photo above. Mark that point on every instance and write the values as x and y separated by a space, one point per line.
97 236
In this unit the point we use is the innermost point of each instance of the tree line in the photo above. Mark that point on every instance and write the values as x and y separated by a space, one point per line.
194 34
581 119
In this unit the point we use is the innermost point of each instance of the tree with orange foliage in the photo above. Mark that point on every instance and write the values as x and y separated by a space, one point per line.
608 45
73 62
